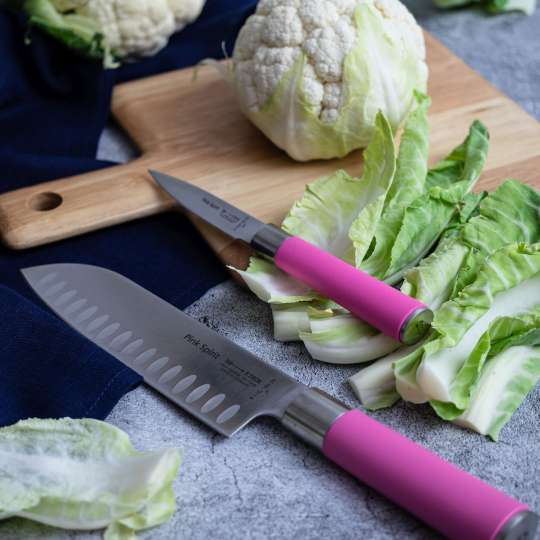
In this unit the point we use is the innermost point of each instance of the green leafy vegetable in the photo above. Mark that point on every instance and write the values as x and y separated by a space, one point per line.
503 332
78 32
375 385
273 285
432 280
343 339
505 381
83 475
332 213
452 179
332 208
469 208
331 218
492 6
508 215
379 169
506 285
429 215
367 222
409 183
290 320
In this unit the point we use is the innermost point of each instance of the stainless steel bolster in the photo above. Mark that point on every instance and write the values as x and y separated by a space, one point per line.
312 414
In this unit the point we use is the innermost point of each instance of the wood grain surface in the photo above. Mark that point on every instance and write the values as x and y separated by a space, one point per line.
193 129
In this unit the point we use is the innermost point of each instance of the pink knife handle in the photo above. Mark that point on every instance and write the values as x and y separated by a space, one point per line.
372 300
452 501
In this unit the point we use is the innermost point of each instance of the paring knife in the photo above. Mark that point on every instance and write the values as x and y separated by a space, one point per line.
387 309
225 387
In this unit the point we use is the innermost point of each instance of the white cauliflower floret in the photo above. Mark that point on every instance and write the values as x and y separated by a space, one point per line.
265 7
327 48
331 102
317 14
132 28
185 11
138 28
325 31
283 28
250 38
269 65
313 88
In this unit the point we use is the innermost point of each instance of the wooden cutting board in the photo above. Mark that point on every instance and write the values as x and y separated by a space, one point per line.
193 129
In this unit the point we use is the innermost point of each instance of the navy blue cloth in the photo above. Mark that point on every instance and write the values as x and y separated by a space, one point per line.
53 108
47 370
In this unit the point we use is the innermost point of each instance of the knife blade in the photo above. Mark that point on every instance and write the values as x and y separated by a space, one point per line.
225 386
384 307
163 344
219 213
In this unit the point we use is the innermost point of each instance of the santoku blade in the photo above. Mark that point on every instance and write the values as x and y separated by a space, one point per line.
226 217
206 374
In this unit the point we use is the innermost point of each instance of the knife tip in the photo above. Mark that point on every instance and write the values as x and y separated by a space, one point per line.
162 179
169 183
32 273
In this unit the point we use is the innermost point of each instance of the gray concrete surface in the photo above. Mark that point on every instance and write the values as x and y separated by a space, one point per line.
264 484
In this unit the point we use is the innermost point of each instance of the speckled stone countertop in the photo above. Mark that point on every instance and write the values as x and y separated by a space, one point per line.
263 483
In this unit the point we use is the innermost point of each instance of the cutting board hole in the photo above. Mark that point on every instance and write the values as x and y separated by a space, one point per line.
43 202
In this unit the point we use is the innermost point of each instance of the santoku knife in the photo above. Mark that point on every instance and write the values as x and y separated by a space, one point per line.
392 312
225 387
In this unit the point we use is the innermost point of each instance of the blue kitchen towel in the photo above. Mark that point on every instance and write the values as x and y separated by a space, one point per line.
53 108
48 370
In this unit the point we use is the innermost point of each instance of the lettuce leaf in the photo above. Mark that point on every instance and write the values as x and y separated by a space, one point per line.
375 385
290 320
427 217
362 220
79 32
433 279
378 222
492 6
503 385
343 339
503 332
83 475
433 282
508 215
273 285
330 206
469 208
500 6
507 284
409 183
357 342
405 370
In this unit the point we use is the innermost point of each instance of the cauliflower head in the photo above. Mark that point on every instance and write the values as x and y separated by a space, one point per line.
312 74
113 29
